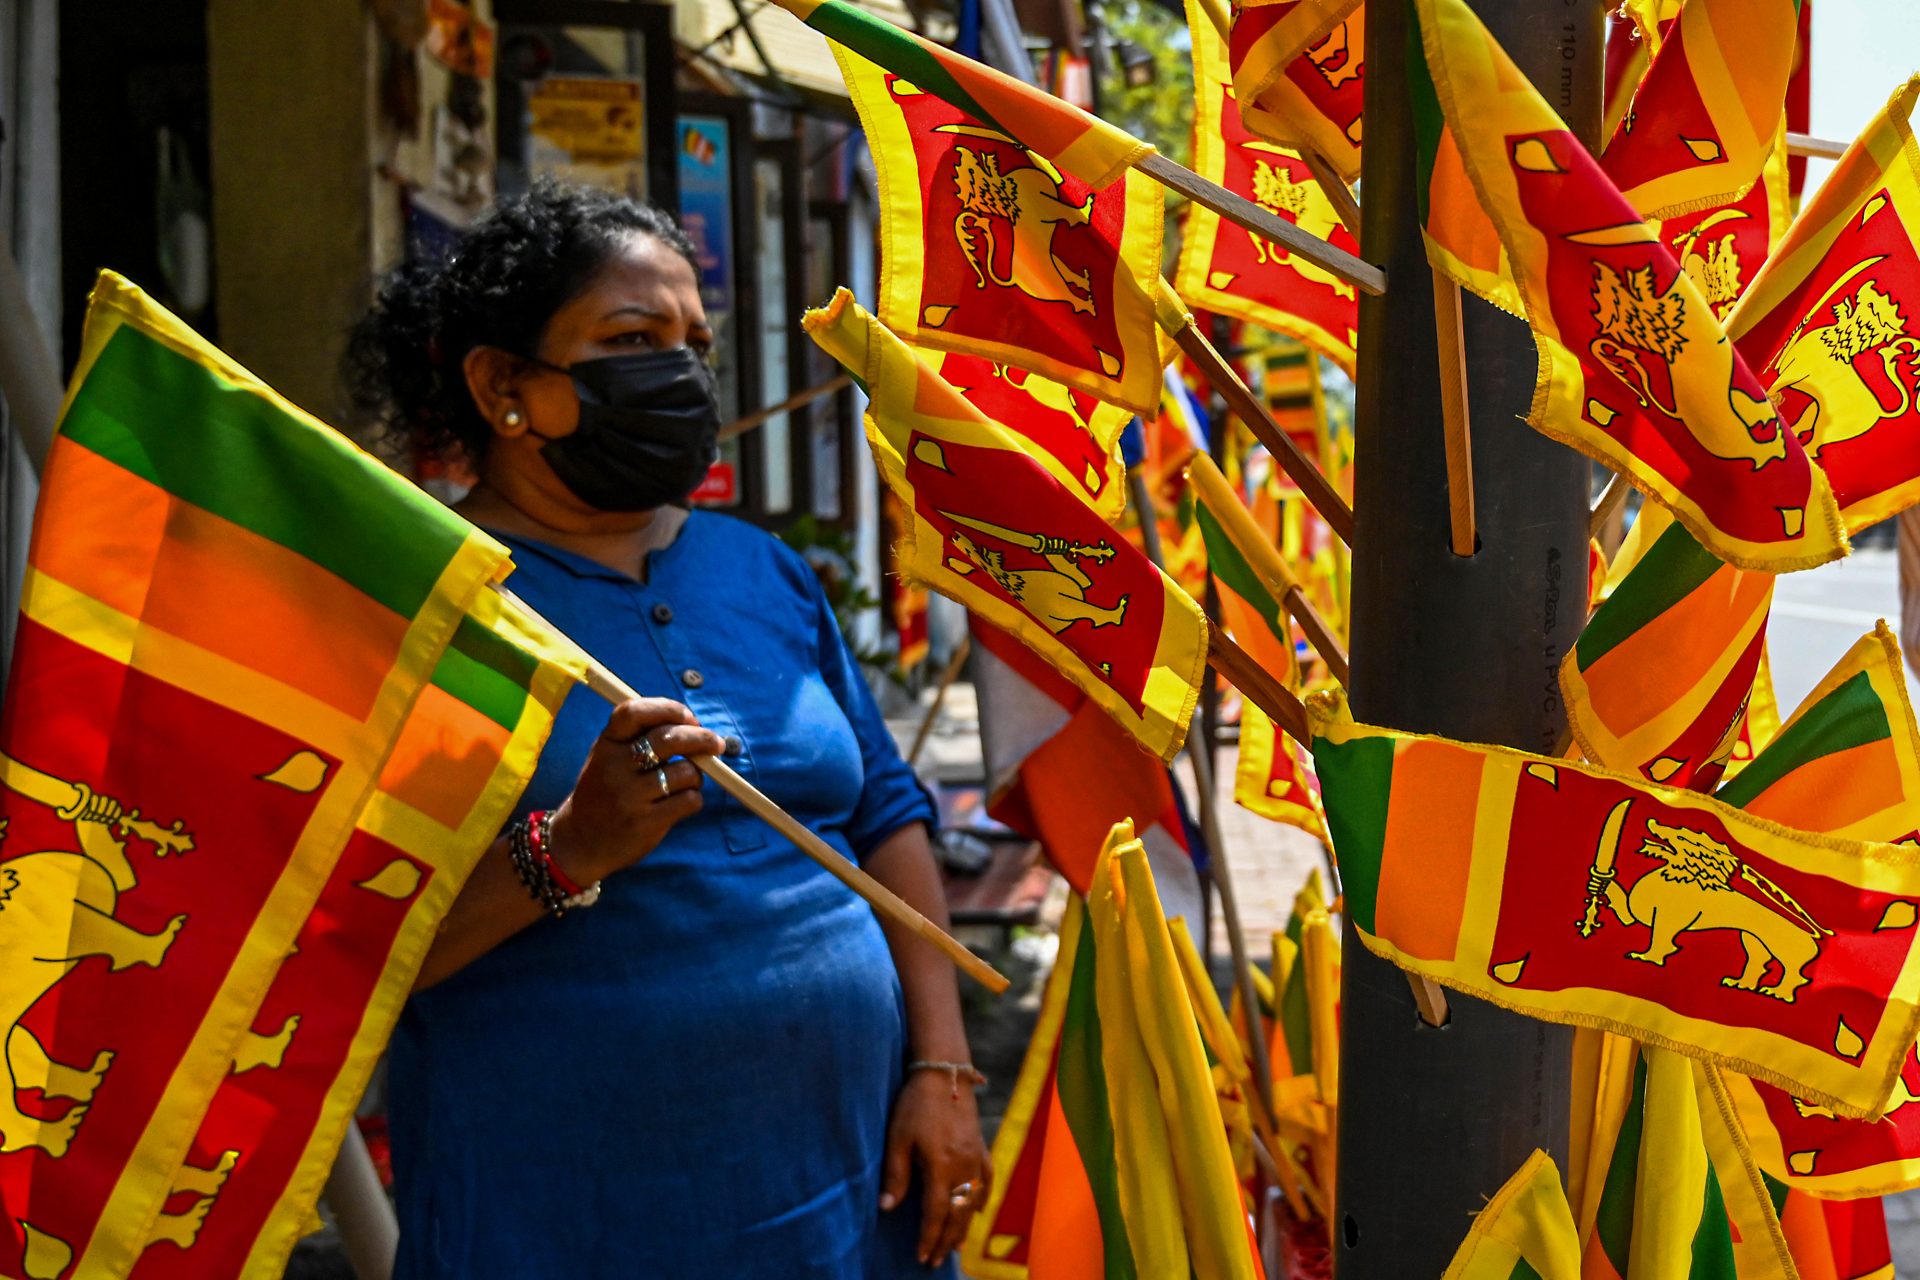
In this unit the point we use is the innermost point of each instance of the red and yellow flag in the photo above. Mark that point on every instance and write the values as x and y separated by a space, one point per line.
1299 75
1227 269
1705 115
234 633
906 602
1576 895
1832 323
1635 370
1084 145
1009 533
988 249
1076 429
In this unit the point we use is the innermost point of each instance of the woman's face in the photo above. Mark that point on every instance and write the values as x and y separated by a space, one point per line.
646 298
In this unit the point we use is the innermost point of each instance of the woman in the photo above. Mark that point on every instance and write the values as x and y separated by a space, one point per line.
723 1066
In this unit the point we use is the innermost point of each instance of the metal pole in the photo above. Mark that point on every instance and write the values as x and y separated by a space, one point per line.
1437 1118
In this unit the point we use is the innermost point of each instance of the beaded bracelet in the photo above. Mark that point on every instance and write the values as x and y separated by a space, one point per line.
528 842
976 1077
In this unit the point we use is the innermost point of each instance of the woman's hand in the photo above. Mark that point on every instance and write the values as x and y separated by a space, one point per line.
941 1133
621 808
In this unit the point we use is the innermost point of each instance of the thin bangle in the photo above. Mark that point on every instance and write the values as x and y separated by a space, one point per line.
954 1070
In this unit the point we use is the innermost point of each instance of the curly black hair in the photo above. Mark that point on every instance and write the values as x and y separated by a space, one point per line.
510 272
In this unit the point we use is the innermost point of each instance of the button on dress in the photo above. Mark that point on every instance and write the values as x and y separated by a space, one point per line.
693 1077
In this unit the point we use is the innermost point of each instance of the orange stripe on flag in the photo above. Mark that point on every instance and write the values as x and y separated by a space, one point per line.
1066 1240
181 569
1436 791
1869 772
1623 696
445 757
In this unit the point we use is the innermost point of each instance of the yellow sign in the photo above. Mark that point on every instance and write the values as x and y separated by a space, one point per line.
589 117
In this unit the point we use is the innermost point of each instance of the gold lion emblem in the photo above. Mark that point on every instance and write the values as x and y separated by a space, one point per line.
1025 204
1819 361
1694 890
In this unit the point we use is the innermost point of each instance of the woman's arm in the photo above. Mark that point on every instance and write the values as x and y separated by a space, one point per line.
929 1121
616 815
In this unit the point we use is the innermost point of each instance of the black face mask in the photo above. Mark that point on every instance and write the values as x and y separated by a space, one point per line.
649 425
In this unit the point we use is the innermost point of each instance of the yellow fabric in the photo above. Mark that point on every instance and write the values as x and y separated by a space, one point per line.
1528 1220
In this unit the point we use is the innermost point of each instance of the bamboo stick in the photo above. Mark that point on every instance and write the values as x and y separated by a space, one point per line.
1801 144
1173 316
1338 193
1242 212
947 676
1455 419
741 425
884 902
1610 499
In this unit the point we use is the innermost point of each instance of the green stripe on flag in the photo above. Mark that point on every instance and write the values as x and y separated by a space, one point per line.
1429 121
879 41
229 450
1523 1270
1851 716
1713 1241
486 672
1357 779
1080 1077
1673 568
1226 563
1614 1223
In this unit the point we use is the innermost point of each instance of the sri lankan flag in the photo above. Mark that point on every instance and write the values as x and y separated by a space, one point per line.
991 250
1299 75
1722 247
1231 271
1682 1198
1525 1232
1113 1158
1835 1239
1577 895
231 627
1084 145
1832 323
906 603
1660 679
302 1067
1635 370
1846 763
1008 532
1077 430
1704 118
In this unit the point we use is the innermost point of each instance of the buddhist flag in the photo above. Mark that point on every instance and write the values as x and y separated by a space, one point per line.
302 1066
1846 763
1290 383
232 627
1661 677
1083 145
991 250
1682 1199
1113 1158
1635 371
1576 895
1525 1232
1299 75
1832 323
1705 115
1229 270
1009 533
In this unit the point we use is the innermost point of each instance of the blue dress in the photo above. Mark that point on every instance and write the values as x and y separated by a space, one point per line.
692 1078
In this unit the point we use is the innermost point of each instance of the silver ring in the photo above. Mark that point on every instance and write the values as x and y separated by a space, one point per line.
665 790
962 1194
643 752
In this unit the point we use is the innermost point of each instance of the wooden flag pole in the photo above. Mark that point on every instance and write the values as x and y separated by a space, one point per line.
947 676
1237 667
740 426
1338 193
1801 144
1242 212
1319 634
1174 317
884 902
1611 498
1455 419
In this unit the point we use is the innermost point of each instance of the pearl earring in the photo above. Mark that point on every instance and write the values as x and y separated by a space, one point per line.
515 417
